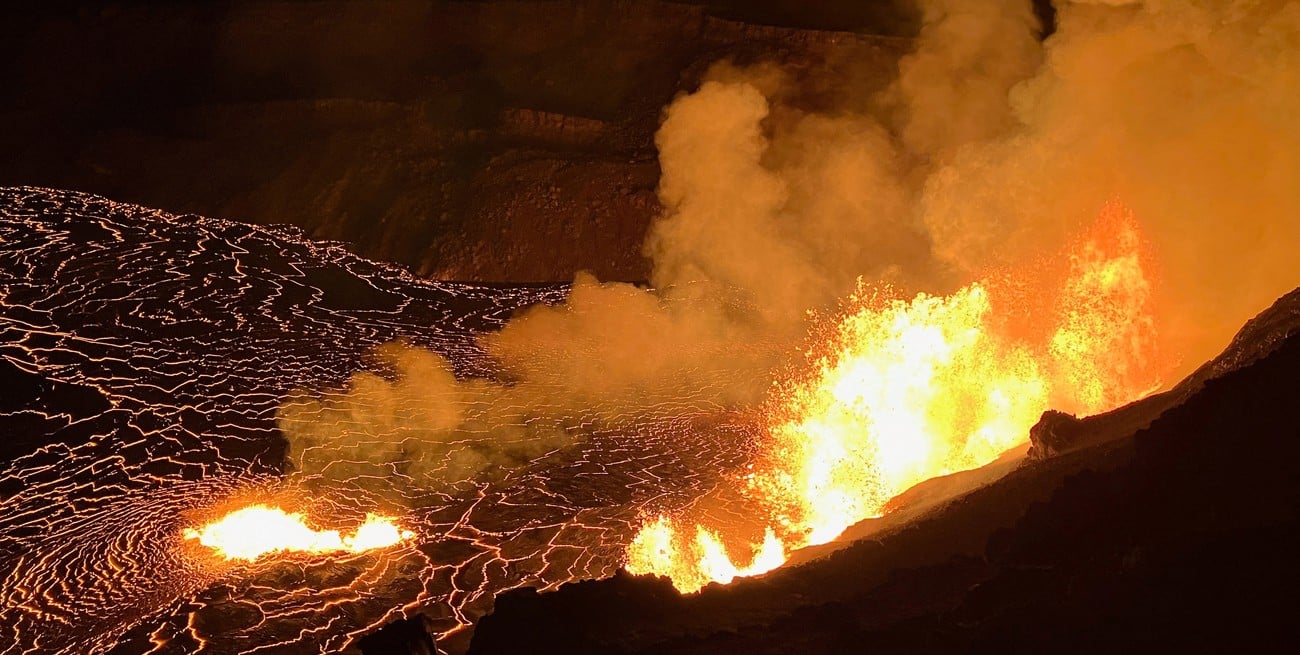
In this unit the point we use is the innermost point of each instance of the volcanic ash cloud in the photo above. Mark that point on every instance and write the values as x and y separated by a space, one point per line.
989 150
1183 111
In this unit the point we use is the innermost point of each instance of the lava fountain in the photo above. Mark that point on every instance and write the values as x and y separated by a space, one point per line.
256 530
907 390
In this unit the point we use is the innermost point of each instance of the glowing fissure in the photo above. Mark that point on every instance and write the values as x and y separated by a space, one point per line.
251 532
910 390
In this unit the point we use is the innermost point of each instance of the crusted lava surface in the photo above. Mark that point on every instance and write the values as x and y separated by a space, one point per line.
1170 524
143 358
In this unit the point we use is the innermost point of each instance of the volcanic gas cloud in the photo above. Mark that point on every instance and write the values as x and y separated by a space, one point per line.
895 280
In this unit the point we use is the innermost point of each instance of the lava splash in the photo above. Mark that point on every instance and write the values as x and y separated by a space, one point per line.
907 390
251 532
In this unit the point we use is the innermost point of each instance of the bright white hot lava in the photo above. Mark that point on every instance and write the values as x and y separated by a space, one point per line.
156 365
256 530
142 406
901 391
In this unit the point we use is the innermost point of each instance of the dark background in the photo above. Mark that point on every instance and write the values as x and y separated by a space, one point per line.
451 137
448 136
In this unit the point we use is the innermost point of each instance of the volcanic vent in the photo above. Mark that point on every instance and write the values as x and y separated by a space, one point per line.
851 293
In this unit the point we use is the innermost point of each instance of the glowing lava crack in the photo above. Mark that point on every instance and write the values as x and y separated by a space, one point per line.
134 397
258 530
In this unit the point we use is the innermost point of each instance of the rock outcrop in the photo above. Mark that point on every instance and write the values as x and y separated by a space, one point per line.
1058 433
1054 433
409 636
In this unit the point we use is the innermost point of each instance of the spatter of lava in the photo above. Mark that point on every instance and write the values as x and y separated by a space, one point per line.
909 390
251 532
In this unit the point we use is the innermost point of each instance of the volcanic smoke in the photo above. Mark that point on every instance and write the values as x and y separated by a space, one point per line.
903 391
1014 222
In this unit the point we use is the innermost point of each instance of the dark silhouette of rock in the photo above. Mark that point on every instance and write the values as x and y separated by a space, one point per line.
1054 433
1177 537
1260 336
409 636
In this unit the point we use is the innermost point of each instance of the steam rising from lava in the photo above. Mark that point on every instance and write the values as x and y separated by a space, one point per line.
989 153
902 391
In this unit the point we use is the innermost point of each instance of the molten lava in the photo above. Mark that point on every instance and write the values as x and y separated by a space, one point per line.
910 390
257 530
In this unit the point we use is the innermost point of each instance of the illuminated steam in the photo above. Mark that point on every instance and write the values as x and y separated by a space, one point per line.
1181 109
989 151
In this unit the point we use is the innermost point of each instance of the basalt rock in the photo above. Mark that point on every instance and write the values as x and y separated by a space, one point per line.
551 622
450 137
1054 433
1178 536
412 635
1057 433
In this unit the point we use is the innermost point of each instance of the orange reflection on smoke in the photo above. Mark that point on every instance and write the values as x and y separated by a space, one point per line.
908 390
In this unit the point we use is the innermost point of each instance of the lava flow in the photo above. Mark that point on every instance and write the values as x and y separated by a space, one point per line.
258 530
149 394
910 390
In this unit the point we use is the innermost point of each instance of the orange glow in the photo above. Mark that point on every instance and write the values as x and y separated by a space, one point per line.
910 390
258 530
1104 348
693 564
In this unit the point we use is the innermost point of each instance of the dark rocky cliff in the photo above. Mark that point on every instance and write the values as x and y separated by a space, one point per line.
451 137
1178 536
